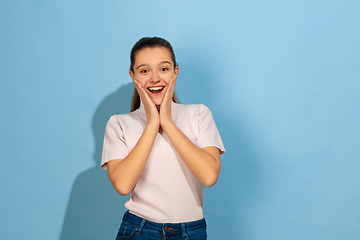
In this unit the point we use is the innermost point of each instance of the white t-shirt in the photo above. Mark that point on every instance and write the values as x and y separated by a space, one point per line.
167 191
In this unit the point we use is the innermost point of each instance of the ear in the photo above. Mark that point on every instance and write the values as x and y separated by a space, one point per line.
132 75
176 71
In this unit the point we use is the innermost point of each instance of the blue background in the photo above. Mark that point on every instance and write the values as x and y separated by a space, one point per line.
282 81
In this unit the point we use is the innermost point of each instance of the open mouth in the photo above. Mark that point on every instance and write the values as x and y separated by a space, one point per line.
155 89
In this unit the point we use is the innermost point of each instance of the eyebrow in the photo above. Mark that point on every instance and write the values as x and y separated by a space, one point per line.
165 62
146 64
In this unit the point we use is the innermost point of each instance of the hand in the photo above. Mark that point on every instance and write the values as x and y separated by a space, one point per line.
152 113
165 106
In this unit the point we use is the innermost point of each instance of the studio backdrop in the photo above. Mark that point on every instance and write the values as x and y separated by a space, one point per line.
282 79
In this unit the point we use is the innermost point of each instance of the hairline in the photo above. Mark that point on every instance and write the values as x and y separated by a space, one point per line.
152 47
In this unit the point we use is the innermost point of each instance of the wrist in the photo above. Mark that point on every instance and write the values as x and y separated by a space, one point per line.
152 126
168 124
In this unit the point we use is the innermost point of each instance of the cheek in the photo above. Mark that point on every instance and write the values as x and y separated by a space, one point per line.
168 77
142 80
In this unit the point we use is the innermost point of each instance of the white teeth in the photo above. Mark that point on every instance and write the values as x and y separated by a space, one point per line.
155 88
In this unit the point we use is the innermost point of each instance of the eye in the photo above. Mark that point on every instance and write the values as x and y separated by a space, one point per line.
144 71
164 69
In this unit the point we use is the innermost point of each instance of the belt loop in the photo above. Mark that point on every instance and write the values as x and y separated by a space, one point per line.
183 233
126 213
141 225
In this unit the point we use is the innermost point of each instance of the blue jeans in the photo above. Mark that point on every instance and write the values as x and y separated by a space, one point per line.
134 228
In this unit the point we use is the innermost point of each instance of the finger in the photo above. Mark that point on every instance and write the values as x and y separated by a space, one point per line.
167 93
140 90
173 82
138 86
142 93
171 87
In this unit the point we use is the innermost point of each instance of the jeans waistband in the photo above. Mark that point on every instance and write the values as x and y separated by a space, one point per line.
141 223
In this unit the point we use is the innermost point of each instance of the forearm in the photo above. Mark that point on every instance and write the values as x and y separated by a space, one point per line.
124 174
205 166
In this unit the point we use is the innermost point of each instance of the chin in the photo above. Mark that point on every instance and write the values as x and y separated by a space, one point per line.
157 102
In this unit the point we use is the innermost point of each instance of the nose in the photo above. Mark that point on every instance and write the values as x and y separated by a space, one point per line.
155 78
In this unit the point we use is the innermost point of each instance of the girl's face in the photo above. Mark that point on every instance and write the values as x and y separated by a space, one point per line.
154 69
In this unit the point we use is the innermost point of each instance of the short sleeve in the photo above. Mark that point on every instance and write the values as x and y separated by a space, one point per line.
208 134
114 146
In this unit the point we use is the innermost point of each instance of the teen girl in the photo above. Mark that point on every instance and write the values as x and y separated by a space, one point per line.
162 153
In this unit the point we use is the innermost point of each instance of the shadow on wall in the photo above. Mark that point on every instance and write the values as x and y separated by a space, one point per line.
95 210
